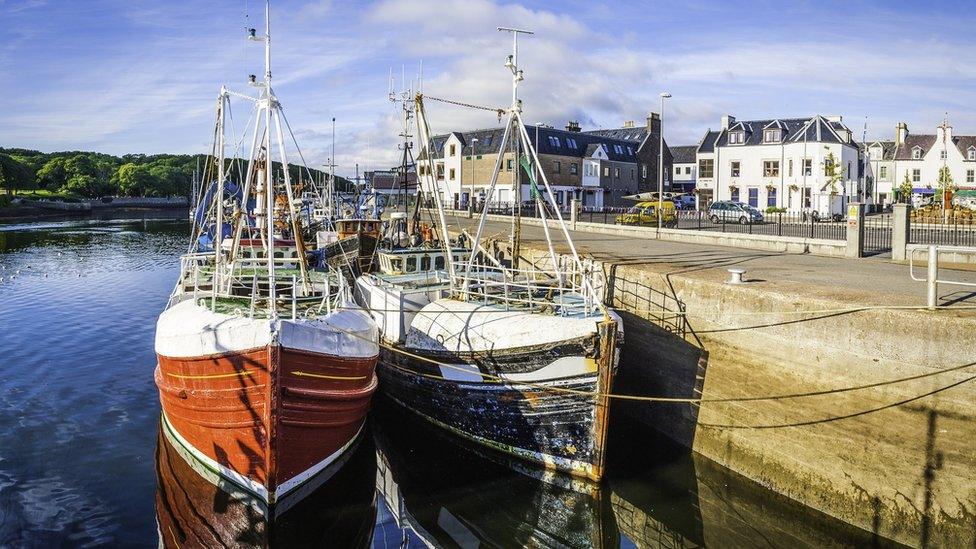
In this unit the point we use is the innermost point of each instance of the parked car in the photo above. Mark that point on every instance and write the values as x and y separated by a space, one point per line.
734 212
645 213
685 202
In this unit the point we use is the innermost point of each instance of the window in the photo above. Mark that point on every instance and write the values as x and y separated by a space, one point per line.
440 171
771 168
883 173
916 176
807 168
828 167
677 170
789 168
439 262
943 154
735 194
736 138
411 264
606 171
806 197
554 141
771 198
574 168
644 171
849 165
687 170
557 167
452 174
705 168
453 150
571 143
618 149
630 150
772 136
425 263
616 173
972 153
970 176
488 140
754 197
508 165
735 169
916 153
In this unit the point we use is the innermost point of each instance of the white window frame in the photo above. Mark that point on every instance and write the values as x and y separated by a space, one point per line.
916 175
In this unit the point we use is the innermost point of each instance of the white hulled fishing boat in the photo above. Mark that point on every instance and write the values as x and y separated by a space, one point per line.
521 360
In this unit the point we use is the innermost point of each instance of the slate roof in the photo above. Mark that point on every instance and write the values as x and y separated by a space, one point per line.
636 133
815 129
684 154
387 179
550 141
707 144
887 149
927 141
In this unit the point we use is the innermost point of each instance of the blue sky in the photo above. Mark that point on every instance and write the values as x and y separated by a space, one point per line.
139 76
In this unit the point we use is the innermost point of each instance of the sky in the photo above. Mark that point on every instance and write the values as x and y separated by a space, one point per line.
138 76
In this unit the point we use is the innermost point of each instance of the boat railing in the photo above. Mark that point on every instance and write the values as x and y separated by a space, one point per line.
248 278
564 292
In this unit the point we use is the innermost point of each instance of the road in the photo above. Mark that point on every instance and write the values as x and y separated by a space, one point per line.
862 281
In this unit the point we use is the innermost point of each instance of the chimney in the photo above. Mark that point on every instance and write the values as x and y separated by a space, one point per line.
834 118
901 133
573 126
945 131
654 123
727 121
629 124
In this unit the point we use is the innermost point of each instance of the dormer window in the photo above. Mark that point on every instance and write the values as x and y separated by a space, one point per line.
971 154
737 138
772 136
916 153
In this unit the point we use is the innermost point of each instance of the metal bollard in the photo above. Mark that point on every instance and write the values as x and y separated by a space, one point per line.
932 276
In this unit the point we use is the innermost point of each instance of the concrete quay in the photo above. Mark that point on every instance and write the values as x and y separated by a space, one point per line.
882 434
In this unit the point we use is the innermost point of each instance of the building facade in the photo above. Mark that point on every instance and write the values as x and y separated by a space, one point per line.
800 164
919 158
596 169
684 168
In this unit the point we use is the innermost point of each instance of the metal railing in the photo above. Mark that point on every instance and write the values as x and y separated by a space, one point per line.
951 232
932 279
246 281
565 291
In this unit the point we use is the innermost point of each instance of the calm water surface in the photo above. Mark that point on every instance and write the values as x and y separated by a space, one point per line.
82 462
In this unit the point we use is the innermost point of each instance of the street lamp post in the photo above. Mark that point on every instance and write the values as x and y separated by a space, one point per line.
660 165
471 186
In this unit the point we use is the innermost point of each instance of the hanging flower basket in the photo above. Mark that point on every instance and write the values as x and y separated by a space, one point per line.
733 187
770 187
794 187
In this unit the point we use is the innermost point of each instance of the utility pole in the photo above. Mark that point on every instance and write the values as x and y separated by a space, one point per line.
660 166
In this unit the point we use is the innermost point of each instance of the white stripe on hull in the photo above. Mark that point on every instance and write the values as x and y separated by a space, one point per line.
253 487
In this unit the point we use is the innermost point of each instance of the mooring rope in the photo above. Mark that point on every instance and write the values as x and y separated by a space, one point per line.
499 111
641 398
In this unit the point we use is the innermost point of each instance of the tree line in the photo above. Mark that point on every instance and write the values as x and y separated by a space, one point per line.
93 175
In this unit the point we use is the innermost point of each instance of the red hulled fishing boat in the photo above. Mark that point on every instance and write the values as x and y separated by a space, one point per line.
266 364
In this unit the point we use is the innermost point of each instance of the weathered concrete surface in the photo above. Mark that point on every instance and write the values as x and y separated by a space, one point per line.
885 458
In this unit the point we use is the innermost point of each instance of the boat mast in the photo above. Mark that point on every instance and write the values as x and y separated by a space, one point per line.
219 194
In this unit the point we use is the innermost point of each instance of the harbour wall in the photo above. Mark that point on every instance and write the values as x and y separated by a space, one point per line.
885 441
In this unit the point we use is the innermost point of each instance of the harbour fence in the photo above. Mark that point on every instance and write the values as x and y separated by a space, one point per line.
951 232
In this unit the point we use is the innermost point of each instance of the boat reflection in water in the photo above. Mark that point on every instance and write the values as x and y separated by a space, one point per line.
450 495
196 507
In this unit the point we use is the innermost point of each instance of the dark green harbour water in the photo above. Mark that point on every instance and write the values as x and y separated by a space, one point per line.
82 462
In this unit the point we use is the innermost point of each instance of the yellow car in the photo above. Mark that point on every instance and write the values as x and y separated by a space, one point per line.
645 213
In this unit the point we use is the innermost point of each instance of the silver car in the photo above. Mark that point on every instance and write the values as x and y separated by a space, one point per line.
734 212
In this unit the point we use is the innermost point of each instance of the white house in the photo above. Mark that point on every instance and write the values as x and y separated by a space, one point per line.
780 163
685 168
920 158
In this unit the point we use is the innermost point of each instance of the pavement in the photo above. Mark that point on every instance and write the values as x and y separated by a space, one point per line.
868 281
